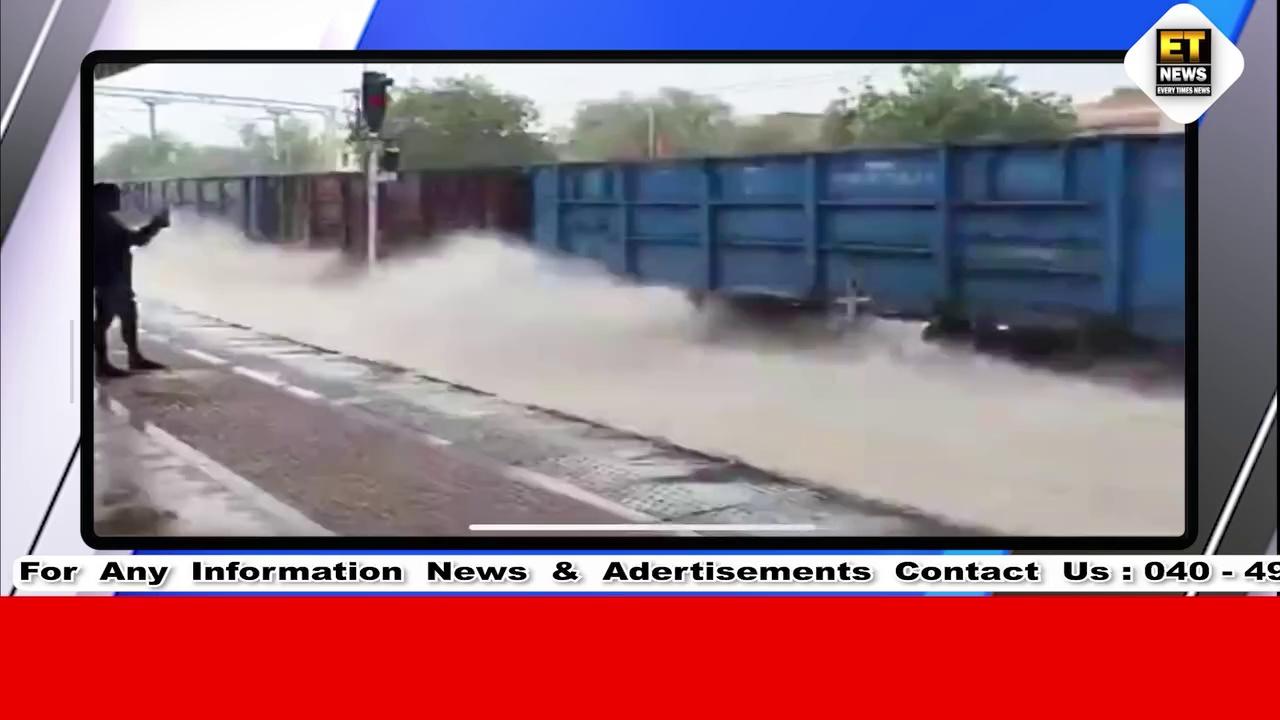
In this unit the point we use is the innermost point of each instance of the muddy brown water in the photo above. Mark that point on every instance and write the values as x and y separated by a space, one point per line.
973 437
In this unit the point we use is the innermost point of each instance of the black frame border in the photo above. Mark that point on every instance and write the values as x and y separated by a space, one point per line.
515 543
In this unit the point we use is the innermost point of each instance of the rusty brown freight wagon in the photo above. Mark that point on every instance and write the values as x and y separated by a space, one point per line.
423 206
328 209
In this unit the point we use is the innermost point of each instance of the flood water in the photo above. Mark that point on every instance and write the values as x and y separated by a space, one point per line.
971 437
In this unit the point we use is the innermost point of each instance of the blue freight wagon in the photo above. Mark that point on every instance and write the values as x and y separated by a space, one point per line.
1073 234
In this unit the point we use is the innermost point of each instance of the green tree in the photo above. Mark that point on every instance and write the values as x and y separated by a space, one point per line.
214 161
462 122
776 134
140 157
683 123
764 138
290 149
940 103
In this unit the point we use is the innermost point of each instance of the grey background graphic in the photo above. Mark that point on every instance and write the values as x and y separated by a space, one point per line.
1236 354
22 21
1254 524
1237 290
53 73
39 265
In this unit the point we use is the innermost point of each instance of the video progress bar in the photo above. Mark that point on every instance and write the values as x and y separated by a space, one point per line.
641 527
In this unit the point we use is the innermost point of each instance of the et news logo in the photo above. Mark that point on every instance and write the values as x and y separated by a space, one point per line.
1183 62
1181 81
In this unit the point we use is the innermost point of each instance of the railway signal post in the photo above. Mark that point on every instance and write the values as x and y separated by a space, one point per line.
371 196
373 110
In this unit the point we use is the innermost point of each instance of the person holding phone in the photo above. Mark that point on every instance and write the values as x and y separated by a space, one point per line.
113 245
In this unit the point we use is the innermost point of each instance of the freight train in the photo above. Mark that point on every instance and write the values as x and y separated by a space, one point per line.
1080 234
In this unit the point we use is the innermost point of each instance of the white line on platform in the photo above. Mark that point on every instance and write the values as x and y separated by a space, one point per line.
642 527
261 377
199 354
274 381
569 490
264 500
116 407
303 392
438 441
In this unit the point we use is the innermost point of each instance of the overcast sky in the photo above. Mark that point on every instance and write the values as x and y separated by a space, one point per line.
752 89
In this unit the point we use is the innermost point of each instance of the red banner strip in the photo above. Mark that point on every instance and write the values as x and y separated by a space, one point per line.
634 657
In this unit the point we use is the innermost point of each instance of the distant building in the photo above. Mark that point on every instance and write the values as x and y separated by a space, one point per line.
805 127
1124 111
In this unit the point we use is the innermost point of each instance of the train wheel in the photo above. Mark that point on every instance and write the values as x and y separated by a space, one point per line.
1107 339
946 327
1037 343
1081 352
990 337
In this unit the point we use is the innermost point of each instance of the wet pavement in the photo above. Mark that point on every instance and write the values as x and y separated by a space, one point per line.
251 434
148 483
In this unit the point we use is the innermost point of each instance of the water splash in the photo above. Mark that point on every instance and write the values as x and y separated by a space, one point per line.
972 437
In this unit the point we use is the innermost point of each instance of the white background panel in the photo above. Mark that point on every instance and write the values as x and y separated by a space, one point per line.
40 289
233 24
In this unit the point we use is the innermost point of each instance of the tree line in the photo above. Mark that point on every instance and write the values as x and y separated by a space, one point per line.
293 148
467 122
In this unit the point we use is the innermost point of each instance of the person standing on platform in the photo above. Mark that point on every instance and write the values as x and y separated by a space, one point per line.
113 245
